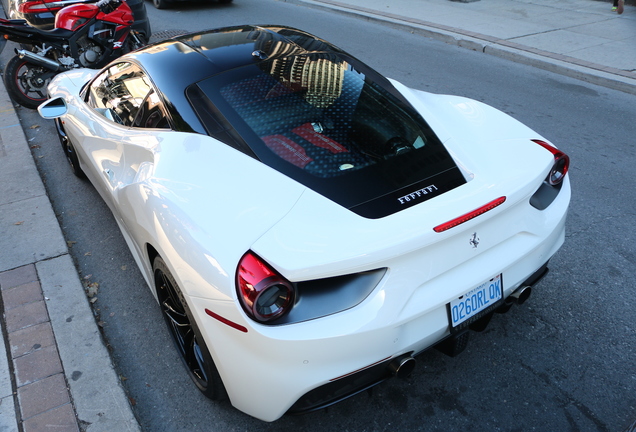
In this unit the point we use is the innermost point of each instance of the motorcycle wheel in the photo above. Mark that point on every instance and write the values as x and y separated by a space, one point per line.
26 82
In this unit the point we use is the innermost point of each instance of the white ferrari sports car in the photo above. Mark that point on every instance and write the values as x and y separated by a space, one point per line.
307 225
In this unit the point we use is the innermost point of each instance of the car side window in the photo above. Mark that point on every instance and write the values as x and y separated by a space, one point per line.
151 113
118 92
214 123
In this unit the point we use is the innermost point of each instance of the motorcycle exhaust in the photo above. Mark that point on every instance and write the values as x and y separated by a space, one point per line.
38 59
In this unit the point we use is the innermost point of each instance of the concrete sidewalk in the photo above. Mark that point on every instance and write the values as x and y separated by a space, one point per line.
55 372
582 39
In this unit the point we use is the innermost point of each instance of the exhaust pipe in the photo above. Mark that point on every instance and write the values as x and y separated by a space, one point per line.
520 295
402 367
38 59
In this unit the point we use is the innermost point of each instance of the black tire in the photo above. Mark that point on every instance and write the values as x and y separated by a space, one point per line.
225 1
26 82
69 150
161 4
186 335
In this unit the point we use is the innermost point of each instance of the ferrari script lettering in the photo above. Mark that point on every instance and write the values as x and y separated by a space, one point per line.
418 193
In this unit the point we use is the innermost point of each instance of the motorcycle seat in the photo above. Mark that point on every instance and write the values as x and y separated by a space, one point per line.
22 29
56 33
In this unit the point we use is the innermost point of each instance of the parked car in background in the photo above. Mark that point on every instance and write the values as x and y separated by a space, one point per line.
41 13
307 225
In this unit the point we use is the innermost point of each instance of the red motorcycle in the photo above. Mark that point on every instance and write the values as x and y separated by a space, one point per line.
85 35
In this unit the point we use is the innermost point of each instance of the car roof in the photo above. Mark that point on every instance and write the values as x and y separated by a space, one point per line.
176 63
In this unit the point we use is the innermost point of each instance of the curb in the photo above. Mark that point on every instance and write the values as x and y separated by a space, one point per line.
100 401
593 73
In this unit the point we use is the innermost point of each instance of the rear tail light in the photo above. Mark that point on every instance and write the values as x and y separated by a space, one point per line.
33 7
264 294
561 163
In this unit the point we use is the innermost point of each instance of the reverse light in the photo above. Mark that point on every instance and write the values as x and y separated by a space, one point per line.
561 163
471 215
264 294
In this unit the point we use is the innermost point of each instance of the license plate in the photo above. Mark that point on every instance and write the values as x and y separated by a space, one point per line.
468 307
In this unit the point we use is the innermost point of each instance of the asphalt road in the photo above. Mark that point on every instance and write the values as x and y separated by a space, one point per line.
563 361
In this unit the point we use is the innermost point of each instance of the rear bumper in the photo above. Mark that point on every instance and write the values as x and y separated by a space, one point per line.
272 370
308 366
352 384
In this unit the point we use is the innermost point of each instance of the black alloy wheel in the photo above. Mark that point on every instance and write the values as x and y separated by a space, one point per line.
69 150
185 333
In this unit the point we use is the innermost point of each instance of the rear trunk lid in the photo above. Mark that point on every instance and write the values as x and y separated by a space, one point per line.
318 238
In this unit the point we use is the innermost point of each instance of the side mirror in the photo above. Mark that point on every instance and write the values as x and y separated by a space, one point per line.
53 108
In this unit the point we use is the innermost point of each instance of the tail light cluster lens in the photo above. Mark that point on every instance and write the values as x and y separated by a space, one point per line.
264 294
32 7
561 163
